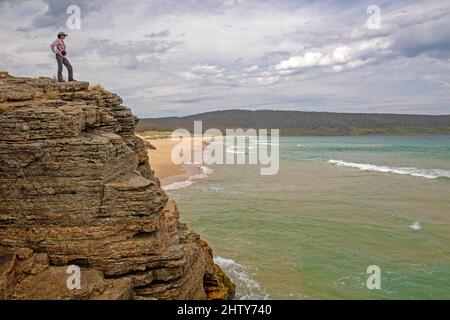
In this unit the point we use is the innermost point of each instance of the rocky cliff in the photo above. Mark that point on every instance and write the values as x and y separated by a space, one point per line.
76 188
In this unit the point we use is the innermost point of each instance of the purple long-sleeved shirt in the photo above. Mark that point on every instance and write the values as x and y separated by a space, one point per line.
58 46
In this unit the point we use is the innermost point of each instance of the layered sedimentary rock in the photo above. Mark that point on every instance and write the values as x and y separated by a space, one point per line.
76 188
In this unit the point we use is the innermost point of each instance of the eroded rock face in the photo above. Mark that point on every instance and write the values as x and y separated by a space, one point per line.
76 188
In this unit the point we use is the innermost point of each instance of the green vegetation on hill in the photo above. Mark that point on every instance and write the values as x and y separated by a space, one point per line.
299 123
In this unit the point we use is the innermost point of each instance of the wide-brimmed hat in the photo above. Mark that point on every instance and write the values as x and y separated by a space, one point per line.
62 34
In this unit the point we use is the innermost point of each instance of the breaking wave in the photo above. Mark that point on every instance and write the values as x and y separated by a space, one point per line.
247 288
177 185
416 226
416 172
206 171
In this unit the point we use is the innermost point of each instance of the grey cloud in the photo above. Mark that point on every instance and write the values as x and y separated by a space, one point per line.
19 67
6 61
270 56
162 34
193 100
106 46
127 52
45 66
218 65
56 16
432 38
419 29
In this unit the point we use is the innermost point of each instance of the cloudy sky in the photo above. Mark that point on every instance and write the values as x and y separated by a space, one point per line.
182 57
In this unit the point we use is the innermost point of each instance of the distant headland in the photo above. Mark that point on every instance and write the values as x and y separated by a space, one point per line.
301 123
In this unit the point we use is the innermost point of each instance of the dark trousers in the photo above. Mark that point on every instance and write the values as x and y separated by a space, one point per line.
64 61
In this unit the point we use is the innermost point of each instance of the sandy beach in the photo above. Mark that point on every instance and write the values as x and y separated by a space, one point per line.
167 171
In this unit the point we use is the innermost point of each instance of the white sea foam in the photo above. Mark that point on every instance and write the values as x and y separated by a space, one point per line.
206 171
416 172
209 188
416 226
247 288
177 185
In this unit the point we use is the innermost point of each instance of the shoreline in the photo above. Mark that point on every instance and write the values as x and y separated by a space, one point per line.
173 176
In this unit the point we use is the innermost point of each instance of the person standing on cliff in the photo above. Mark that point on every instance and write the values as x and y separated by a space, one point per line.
59 49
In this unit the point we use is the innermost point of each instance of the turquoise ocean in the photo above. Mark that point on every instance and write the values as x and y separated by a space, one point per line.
337 206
